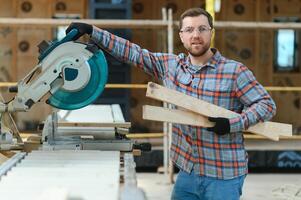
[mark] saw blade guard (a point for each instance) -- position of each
(66, 100)
(98, 75)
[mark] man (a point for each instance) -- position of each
(212, 161)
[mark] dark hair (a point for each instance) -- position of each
(194, 12)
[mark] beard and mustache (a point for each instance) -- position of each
(198, 51)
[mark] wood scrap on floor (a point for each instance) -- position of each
(3, 158)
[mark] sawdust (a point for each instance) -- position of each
(287, 192)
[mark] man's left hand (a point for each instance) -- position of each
(221, 127)
(82, 29)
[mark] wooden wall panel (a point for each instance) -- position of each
(6, 53)
(264, 64)
(142, 9)
(288, 103)
(28, 39)
(239, 10)
(33, 8)
(239, 45)
(69, 7)
(18, 47)
(150, 39)
(27, 50)
(5, 75)
(7, 8)
(286, 7)
(264, 10)
(6, 58)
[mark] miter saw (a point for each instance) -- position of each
(69, 74)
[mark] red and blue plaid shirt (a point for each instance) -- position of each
(220, 81)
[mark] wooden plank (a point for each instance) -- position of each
(3, 158)
(271, 130)
(144, 86)
(175, 116)
(161, 93)
(107, 23)
(145, 24)
(87, 124)
(190, 118)
(265, 128)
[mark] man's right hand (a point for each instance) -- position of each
(82, 29)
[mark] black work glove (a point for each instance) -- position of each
(221, 127)
(82, 29)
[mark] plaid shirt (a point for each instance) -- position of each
(220, 81)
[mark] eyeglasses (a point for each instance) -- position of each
(200, 29)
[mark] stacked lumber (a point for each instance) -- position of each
(195, 112)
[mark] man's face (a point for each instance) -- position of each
(196, 35)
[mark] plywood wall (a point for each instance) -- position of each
(18, 46)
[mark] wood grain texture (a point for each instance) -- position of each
(271, 130)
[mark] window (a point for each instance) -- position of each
(286, 51)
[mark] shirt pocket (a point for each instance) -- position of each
(209, 85)
(225, 85)
(184, 78)
(214, 85)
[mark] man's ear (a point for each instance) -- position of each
(181, 36)
(212, 36)
(212, 32)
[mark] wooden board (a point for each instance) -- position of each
(3, 158)
(207, 109)
(175, 116)
(87, 124)
(190, 118)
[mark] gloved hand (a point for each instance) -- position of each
(82, 29)
(221, 127)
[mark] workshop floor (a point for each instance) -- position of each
(256, 187)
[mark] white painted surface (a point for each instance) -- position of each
(92, 113)
(86, 174)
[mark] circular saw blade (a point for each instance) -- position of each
(74, 100)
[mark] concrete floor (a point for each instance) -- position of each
(256, 186)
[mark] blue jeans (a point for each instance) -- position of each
(196, 187)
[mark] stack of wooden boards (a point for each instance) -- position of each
(195, 112)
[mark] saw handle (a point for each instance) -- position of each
(70, 36)
(13, 89)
